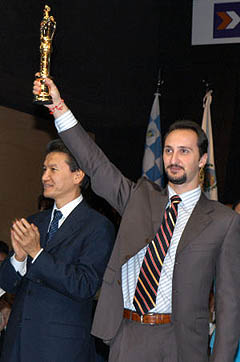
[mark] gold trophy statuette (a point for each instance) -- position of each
(47, 30)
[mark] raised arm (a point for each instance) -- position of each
(106, 180)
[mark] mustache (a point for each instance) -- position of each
(175, 165)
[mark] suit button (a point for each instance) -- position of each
(127, 257)
(147, 241)
(119, 282)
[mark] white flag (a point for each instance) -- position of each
(210, 180)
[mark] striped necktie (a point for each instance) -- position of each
(54, 224)
(149, 276)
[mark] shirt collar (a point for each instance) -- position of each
(189, 198)
(68, 208)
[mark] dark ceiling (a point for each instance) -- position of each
(106, 57)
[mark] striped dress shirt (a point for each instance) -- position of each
(131, 269)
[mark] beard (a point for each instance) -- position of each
(177, 180)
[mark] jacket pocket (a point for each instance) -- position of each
(204, 247)
(66, 330)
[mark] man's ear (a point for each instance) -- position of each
(78, 176)
(203, 160)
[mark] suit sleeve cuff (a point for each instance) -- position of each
(36, 256)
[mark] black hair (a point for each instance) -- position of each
(44, 203)
(57, 145)
(4, 247)
(185, 124)
(235, 204)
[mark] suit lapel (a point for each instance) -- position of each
(197, 222)
(142, 218)
(43, 224)
(74, 219)
(158, 202)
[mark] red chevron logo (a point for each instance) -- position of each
(226, 20)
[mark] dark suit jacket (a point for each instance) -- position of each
(209, 248)
(52, 313)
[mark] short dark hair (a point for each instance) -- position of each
(186, 124)
(4, 247)
(44, 203)
(57, 145)
(235, 204)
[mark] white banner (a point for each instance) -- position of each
(210, 181)
(215, 22)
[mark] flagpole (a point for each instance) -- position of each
(160, 82)
(207, 85)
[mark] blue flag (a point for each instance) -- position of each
(152, 159)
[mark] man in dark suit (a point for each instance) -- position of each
(56, 269)
(205, 245)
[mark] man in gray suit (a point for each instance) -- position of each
(205, 245)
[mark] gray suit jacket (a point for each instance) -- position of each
(208, 249)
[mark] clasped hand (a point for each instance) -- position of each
(25, 239)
